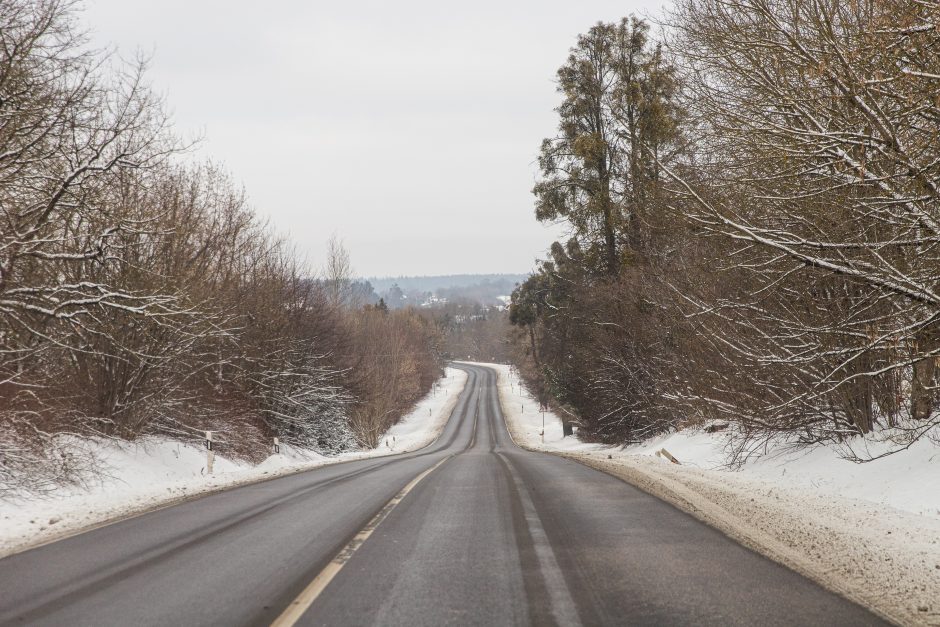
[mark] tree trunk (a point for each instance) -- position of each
(922, 383)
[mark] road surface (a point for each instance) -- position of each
(471, 530)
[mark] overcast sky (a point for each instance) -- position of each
(408, 128)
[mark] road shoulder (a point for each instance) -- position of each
(28, 523)
(884, 559)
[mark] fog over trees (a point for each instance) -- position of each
(752, 193)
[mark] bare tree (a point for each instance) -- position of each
(818, 168)
(338, 275)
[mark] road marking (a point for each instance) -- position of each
(473, 434)
(306, 598)
(561, 603)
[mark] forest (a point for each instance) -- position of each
(752, 192)
(141, 294)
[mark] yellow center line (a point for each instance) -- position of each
(306, 598)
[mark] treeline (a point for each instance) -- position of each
(472, 331)
(754, 204)
(141, 296)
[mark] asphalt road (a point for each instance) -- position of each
(493, 535)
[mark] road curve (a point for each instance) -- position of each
(490, 535)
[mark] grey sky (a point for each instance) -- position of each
(408, 128)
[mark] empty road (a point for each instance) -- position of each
(470, 530)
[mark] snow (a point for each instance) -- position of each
(427, 419)
(869, 531)
(897, 480)
(151, 473)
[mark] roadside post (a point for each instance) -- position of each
(664, 453)
(277, 446)
(210, 454)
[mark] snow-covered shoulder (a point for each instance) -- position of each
(900, 480)
(869, 531)
(154, 472)
(426, 421)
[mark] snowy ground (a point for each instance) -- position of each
(155, 473)
(869, 531)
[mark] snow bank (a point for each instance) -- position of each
(427, 419)
(908, 480)
(141, 476)
(868, 531)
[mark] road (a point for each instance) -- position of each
(470, 530)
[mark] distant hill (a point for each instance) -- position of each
(448, 281)
(485, 289)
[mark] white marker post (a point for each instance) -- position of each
(277, 446)
(210, 454)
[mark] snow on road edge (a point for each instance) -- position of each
(158, 473)
(880, 557)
